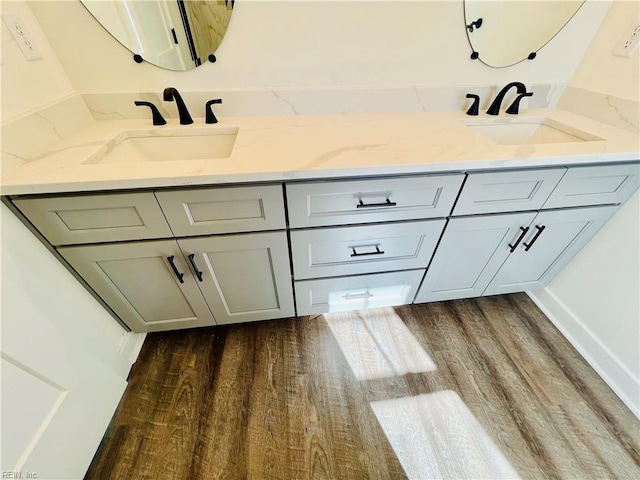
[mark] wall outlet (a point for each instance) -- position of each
(629, 42)
(21, 35)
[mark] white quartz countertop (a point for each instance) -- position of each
(286, 148)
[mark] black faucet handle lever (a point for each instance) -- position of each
(473, 109)
(208, 111)
(513, 108)
(158, 119)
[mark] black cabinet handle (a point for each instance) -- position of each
(524, 232)
(533, 240)
(386, 203)
(179, 275)
(195, 267)
(364, 254)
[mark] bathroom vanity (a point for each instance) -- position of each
(269, 217)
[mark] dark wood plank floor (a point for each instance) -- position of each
(284, 400)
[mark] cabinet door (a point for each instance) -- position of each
(92, 218)
(552, 241)
(471, 251)
(243, 277)
(512, 191)
(138, 282)
(329, 252)
(600, 185)
(345, 202)
(215, 210)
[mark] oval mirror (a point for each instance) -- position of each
(172, 34)
(503, 33)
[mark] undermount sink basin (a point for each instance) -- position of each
(524, 131)
(169, 145)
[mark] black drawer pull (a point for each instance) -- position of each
(195, 267)
(386, 203)
(364, 254)
(524, 232)
(533, 240)
(175, 269)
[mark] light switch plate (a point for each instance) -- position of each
(22, 37)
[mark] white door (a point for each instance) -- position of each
(471, 251)
(59, 389)
(243, 277)
(147, 284)
(552, 241)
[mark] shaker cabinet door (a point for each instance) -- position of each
(243, 277)
(139, 283)
(552, 241)
(471, 251)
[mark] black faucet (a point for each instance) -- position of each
(171, 94)
(494, 109)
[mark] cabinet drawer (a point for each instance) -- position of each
(356, 293)
(223, 209)
(331, 252)
(79, 219)
(493, 192)
(313, 204)
(599, 185)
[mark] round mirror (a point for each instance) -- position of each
(172, 34)
(503, 33)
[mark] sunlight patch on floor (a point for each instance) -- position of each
(377, 344)
(436, 436)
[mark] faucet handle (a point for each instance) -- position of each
(208, 111)
(473, 109)
(158, 119)
(513, 108)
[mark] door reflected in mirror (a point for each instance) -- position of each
(503, 33)
(171, 34)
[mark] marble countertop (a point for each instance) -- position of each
(286, 148)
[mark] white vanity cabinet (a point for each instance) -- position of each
(506, 253)
(139, 283)
(529, 235)
(204, 271)
(373, 241)
(242, 277)
(553, 239)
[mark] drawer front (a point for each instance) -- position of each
(314, 204)
(331, 252)
(223, 210)
(494, 192)
(96, 218)
(356, 293)
(608, 184)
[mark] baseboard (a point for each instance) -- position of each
(617, 375)
(130, 347)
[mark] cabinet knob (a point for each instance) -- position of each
(364, 254)
(386, 203)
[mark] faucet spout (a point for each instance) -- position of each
(171, 94)
(494, 108)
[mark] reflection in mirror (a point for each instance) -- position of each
(503, 33)
(172, 34)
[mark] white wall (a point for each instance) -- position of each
(316, 44)
(595, 300)
(48, 286)
(28, 85)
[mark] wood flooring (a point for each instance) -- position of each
(480, 388)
